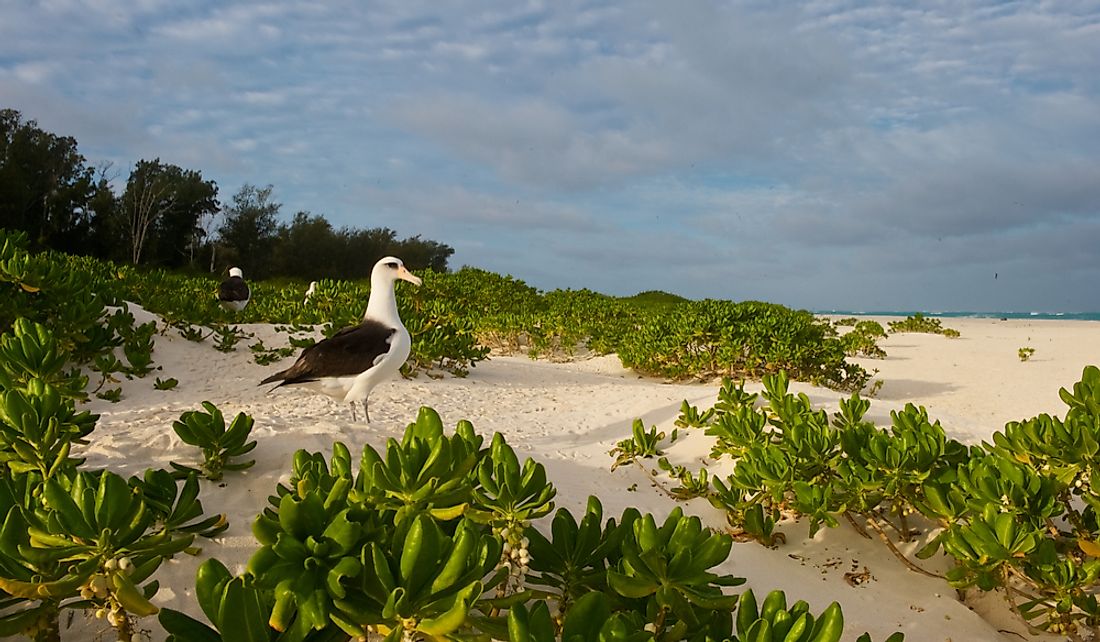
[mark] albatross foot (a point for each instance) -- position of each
(365, 412)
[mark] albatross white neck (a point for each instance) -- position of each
(382, 304)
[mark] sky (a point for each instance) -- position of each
(936, 156)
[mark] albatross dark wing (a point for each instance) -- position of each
(233, 289)
(348, 352)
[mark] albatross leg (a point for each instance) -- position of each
(365, 411)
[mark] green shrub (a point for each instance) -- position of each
(410, 547)
(750, 339)
(643, 443)
(920, 323)
(74, 539)
(206, 430)
(454, 320)
(1019, 515)
(863, 340)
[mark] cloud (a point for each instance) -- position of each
(714, 87)
(236, 28)
(455, 207)
(807, 154)
(531, 142)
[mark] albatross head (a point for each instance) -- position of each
(389, 269)
(236, 271)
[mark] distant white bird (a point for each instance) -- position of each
(233, 293)
(310, 291)
(350, 363)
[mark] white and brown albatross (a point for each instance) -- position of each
(233, 293)
(350, 363)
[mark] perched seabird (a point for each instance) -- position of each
(310, 291)
(347, 365)
(233, 292)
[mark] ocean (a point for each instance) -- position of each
(1064, 316)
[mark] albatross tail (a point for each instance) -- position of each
(278, 376)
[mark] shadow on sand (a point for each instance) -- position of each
(914, 390)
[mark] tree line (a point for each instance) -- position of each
(171, 217)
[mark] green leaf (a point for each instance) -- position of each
(128, 595)
(747, 612)
(243, 614)
(632, 587)
(586, 616)
(210, 582)
(829, 625)
(184, 628)
(453, 618)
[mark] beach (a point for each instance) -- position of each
(569, 415)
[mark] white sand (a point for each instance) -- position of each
(568, 416)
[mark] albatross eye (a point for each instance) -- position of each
(392, 265)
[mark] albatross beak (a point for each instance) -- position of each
(403, 273)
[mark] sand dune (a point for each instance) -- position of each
(568, 416)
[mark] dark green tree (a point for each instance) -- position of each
(46, 187)
(424, 253)
(180, 233)
(308, 248)
(250, 231)
(107, 234)
(161, 209)
(363, 247)
(166, 214)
